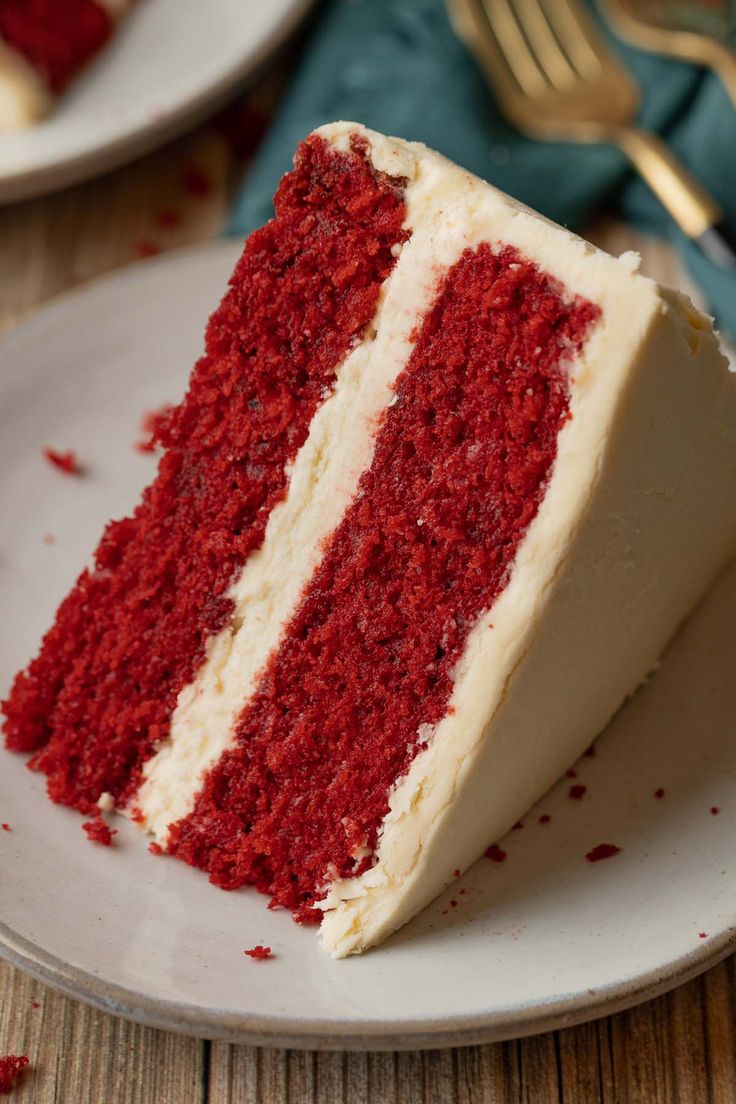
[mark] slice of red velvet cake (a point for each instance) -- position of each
(443, 485)
(43, 45)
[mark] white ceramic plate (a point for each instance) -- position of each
(170, 62)
(543, 939)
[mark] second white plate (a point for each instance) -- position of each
(538, 941)
(169, 63)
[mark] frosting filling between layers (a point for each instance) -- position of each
(134, 631)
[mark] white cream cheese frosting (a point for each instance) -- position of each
(24, 98)
(639, 513)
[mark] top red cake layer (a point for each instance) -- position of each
(459, 470)
(132, 633)
(56, 38)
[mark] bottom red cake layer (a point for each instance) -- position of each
(460, 467)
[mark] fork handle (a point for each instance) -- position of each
(693, 209)
(723, 61)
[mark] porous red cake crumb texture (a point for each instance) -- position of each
(57, 39)
(11, 1068)
(365, 667)
(99, 697)
(259, 952)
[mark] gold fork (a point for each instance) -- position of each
(556, 78)
(661, 27)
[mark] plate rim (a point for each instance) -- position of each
(513, 1022)
(56, 176)
(509, 1022)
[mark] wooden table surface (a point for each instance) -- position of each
(679, 1048)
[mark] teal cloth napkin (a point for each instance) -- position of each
(396, 66)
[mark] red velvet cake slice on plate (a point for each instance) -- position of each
(443, 485)
(43, 45)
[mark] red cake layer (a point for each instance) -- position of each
(459, 470)
(132, 633)
(56, 36)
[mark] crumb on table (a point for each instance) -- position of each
(11, 1067)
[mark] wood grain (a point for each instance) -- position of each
(676, 1050)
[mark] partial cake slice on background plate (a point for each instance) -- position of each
(43, 46)
(444, 484)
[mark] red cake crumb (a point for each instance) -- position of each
(146, 248)
(545, 818)
(602, 851)
(714, 810)
(136, 815)
(196, 182)
(702, 935)
(366, 662)
(577, 792)
(571, 773)
(11, 1068)
(456, 873)
(496, 853)
(139, 621)
(659, 793)
(155, 848)
(66, 462)
(453, 903)
(99, 832)
(49, 538)
(259, 952)
(6, 828)
(167, 218)
(35, 1004)
(57, 39)
(154, 424)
